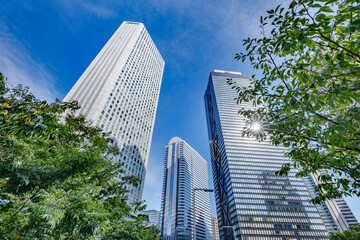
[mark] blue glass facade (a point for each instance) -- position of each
(252, 202)
(184, 170)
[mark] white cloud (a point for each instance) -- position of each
(17, 64)
(98, 10)
(223, 23)
(79, 8)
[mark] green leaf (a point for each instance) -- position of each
(320, 17)
(340, 56)
(326, 9)
(340, 128)
(316, 5)
(342, 28)
(292, 4)
(355, 24)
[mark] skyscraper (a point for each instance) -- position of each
(185, 174)
(252, 202)
(215, 228)
(335, 213)
(119, 92)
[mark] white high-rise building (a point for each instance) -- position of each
(119, 92)
(215, 228)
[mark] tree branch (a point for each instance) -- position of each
(329, 39)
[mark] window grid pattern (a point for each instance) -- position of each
(119, 92)
(266, 206)
(184, 170)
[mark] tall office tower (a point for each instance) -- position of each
(119, 92)
(185, 173)
(336, 214)
(215, 228)
(252, 202)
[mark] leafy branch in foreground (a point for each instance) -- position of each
(57, 177)
(353, 233)
(308, 96)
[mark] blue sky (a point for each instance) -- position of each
(48, 44)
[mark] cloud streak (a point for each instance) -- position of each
(17, 64)
(98, 10)
(226, 22)
(79, 8)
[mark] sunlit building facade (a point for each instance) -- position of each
(119, 92)
(252, 202)
(184, 171)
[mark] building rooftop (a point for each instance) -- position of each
(229, 72)
(175, 139)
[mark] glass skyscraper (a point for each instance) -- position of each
(252, 202)
(119, 92)
(184, 172)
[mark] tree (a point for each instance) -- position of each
(308, 96)
(57, 177)
(353, 233)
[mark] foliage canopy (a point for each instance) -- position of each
(57, 177)
(308, 96)
(353, 233)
